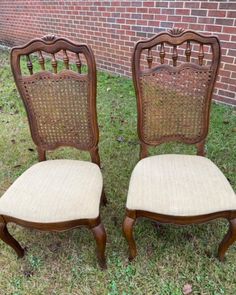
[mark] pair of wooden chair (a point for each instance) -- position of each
(173, 105)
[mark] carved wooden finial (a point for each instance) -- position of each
(48, 38)
(176, 31)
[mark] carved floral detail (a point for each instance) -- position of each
(176, 31)
(49, 38)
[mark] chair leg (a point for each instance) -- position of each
(104, 198)
(100, 237)
(8, 239)
(128, 233)
(228, 239)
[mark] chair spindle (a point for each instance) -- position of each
(175, 55)
(54, 63)
(201, 55)
(29, 64)
(41, 60)
(78, 63)
(149, 58)
(162, 53)
(66, 59)
(188, 51)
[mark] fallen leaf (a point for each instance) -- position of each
(187, 289)
(54, 247)
(120, 139)
(17, 166)
(28, 273)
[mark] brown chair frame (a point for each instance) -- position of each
(174, 38)
(51, 45)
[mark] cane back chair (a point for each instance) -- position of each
(173, 104)
(57, 195)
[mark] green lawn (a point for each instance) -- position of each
(168, 256)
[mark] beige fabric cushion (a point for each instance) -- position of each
(179, 185)
(55, 191)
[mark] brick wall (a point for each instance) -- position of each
(113, 27)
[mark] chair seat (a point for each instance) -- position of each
(179, 185)
(55, 191)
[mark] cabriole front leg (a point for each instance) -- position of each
(100, 237)
(8, 239)
(228, 240)
(128, 233)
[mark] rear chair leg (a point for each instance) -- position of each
(228, 239)
(104, 198)
(100, 237)
(128, 233)
(8, 239)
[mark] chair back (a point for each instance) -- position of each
(174, 89)
(60, 101)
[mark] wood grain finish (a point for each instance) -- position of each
(50, 139)
(166, 130)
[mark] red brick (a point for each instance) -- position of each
(196, 27)
(231, 14)
(179, 4)
(167, 11)
(182, 11)
(233, 76)
(199, 12)
(213, 28)
(206, 20)
(226, 93)
(229, 30)
(148, 3)
(217, 13)
(161, 3)
(174, 18)
(224, 21)
(230, 67)
(189, 19)
(225, 100)
(209, 5)
(154, 10)
(230, 6)
(232, 88)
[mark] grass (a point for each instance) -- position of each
(64, 263)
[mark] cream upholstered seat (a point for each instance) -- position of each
(55, 191)
(179, 185)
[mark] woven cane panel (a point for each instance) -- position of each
(174, 104)
(59, 105)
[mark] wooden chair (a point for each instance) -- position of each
(57, 195)
(173, 104)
